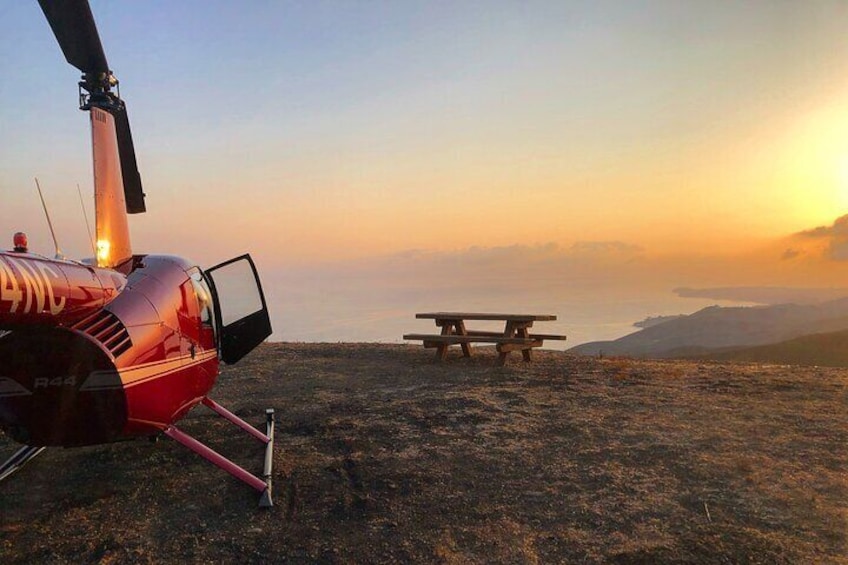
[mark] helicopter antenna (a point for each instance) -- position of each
(59, 254)
(87, 225)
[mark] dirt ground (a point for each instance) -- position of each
(383, 455)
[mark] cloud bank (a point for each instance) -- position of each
(833, 240)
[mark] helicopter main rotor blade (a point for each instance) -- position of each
(73, 25)
(75, 30)
(133, 193)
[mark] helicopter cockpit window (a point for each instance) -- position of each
(204, 298)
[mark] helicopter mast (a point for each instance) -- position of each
(117, 183)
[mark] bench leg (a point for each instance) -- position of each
(509, 331)
(460, 330)
(442, 348)
(525, 353)
(451, 327)
(525, 333)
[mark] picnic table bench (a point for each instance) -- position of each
(515, 336)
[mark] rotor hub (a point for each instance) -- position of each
(95, 90)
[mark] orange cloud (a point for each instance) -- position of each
(832, 239)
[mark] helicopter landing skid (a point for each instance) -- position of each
(262, 485)
(21, 457)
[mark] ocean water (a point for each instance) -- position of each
(374, 309)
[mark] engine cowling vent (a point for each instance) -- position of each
(106, 328)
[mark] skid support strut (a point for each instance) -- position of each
(18, 460)
(262, 485)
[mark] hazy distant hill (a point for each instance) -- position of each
(765, 294)
(651, 321)
(721, 328)
(825, 349)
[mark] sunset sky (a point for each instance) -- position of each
(321, 132)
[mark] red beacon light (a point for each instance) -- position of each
(20, 242)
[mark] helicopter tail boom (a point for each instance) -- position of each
(111, 227)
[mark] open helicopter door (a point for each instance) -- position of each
(240, 309)
(242, 323)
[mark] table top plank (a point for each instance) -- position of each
(485, 316)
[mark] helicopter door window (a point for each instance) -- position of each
(238, 292)
(240, 310)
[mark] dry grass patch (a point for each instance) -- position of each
(386, 456)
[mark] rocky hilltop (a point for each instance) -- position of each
(719, 328)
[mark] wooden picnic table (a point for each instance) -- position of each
(515, 336)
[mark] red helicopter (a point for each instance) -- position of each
(124, 345)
